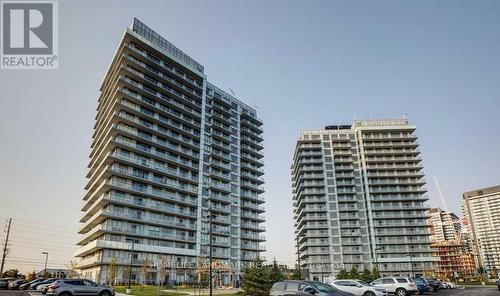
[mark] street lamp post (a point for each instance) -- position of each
(129, 290)
(46, 259)
(411, 264)
(376, 257)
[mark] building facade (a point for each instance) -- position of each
(453, 261)
(358, 199)
(450, 246)
(444, 225)
(174, 161)
(482, 211)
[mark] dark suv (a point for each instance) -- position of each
(305, 288)
(434, 284)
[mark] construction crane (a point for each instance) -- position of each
(440, 193)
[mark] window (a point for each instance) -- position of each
(279, 286)
(292, 286)
(401, 280)
(377, 282)
(74, 283)
(387, 281)
(342, 283)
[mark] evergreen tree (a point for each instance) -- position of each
(366, 275)
(375, 274)
(354, 274)
(275, 274)
(255, 279)
(342, 274)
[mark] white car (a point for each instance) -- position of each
(450, 285)
(358, 288)
(401, 286)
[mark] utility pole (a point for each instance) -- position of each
(411, 264)
(5, 247)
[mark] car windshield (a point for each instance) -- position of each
(325, 288)
(363, 283)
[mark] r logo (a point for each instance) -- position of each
(27, 28)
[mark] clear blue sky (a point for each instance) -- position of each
(305, 64)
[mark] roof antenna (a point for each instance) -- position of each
(232, 92)
(405, 115)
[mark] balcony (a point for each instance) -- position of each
(154, 166)
(253, 216)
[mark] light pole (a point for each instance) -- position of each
(45, 266)
(376, 257)
(411, 264)
(129, 290)
(210, 217)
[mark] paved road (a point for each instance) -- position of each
(475, 291)
(14, 293)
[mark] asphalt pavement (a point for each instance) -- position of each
(471, 291)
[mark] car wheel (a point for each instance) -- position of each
(369, 293)
(105, 293)
(65, 294)
(401, 292)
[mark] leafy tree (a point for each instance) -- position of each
(255, 279)
(11, 273)
(73, 266)
(127, 272)
(367, 275)
(162, 269)
(112, 270)
(145, 268)
(375, 274)
(31, 276)
(354, 274)
(342, 274)
(275, 274)
(295, 275)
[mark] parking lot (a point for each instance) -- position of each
(474, 291)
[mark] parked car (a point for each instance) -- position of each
(422, 284)
(14, 285)
(359, 288)
(34, 286)
(44, 284)
(450, 285)
(4, 284)
(76, 287)
(498, 284)
(441, 284)
(434, 284)
(305, 288)
(27, 285)
(401, 286)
